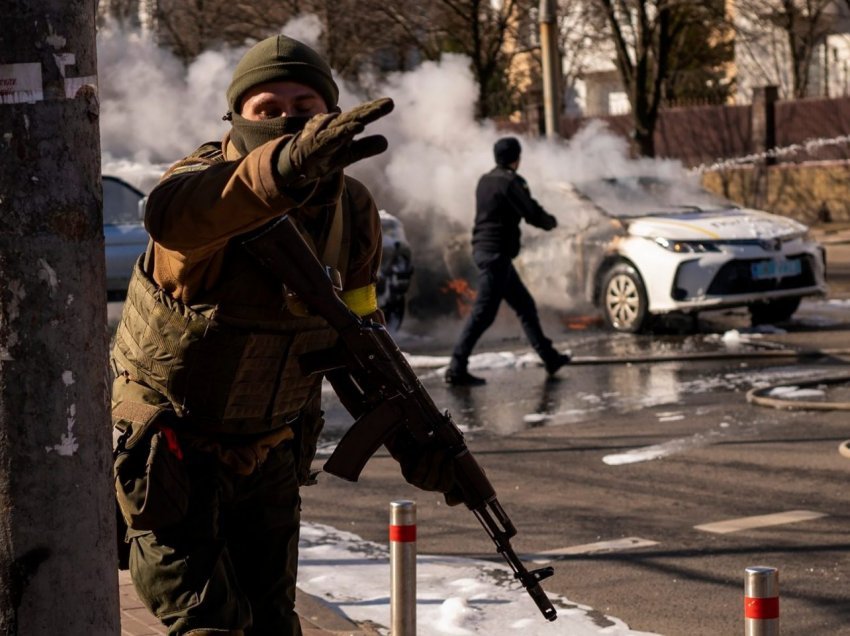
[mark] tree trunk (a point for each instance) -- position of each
(58, 568)
(644, 136)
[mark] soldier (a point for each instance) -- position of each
(502, 200)
(217, 423)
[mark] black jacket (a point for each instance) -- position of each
(502, 200)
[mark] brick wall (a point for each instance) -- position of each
(807, 185)
(809, 192)
(705, 134)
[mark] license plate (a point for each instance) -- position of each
(776, 269)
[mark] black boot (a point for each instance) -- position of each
(463, 378)
(556, 362)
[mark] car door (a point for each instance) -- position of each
(124, 234)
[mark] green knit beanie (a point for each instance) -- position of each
(280, 58)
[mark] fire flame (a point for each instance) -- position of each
(580, 323)
(464, 295)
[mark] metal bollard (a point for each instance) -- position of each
(761, 601)
(403, 568)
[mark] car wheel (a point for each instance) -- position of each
(623, 299)
(773, 311)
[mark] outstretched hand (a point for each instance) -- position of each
(327, 142)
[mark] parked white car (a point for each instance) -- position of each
(658, 247)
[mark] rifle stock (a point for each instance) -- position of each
(379, 388)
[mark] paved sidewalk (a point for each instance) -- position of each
(318, 618)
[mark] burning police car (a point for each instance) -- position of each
(650, 247)
(396, 270)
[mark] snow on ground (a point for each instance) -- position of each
(455, 596)
(477, 362)
(657, 451)
(734, 338)
(795, 392)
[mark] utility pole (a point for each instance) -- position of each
(58, 566)
(551, 67)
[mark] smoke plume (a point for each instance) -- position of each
(155, 111)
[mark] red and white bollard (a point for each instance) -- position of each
(761, 601)
(403, 568)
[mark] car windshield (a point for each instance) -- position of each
(642, 196)
(120, 202)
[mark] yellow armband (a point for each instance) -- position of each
(362, 301)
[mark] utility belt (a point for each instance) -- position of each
(242, 454)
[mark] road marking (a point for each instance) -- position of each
(675, 417)
(615, 545)
(759, 521)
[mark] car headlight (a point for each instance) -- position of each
(687, 247)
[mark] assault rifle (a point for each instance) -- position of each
(377, 386)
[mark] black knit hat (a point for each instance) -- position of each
(506, 151)
(280, 58)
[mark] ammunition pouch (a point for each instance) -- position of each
(151, 479)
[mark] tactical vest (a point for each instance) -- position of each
(229, 367)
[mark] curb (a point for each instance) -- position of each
(318, 617)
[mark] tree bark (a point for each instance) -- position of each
(58, 567)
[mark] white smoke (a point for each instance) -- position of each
(437, 149)
(155, 111)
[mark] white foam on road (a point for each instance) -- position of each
(759, 521)
(455, 596)
(477, 362)
(657, 451)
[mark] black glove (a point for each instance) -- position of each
(427, 468)
(431, 470)
(454, 496)
(327, 144)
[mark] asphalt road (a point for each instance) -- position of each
(545, 445)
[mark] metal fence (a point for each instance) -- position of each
(704, 134)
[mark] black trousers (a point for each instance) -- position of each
(497, 281)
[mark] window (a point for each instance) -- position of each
(120, 202)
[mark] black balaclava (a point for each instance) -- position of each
(248, 134)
